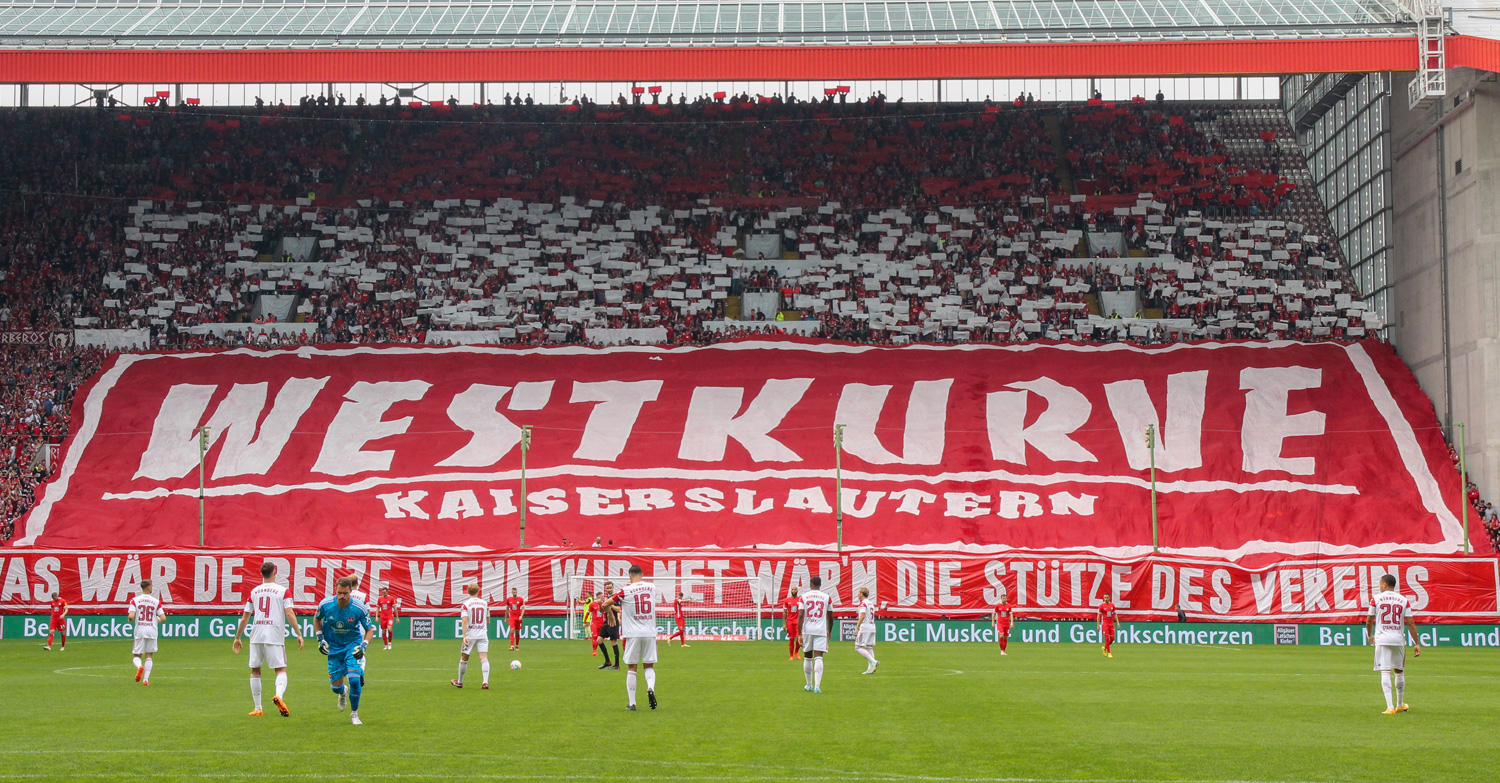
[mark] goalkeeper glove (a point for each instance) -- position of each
(359, 652)
(322, 645)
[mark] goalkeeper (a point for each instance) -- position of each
(344, 630)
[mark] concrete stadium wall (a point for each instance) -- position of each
(1465, 383)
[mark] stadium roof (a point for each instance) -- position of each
(386, 24)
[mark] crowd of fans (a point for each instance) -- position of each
(638, 221)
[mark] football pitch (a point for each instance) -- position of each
(737, 711)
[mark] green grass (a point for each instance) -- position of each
(736, 711)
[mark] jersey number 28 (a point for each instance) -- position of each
(1390, 614)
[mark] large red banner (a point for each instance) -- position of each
(1042, 585)
(1261, 449)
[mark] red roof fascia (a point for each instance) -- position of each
(1020, 60)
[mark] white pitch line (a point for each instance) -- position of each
(779, 771)
(616, 776)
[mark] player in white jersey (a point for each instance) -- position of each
(637, 604)
(145, 612)
(814, 613)
(364, 600)
(1389, 620)
(474, 617)
(271, 609)
(864, 635)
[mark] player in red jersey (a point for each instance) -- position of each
(681, 619)
(390, 609)
(790, 608)
(1107, 621)
(1001, 620)
(58, 624)
(515, 610)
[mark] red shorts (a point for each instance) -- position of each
(1109, 632)
(1004, 629)
(56, 623)
(791, 631)
(385, 622)
(515, 625)
(681, 622)
(595, 628)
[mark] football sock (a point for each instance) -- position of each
(807, 671)
(463, 666)
(356, 685)
(1385, 685)
(280, 684)
(617, 653)
(1002, 644)
(867, 654)
(148, 669)
(255, 689)
(791, 646)
(818, 672)
(1400, 688)
(630, 687)
(136, 661)
(484, 668)
(339, 689)
(49, 640)
(595, 644)
(62, 636)
(604, 648)
(651, 679)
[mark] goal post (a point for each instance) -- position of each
(716, 608)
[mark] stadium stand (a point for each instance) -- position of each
(674, 224)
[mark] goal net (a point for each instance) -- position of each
(722, 608)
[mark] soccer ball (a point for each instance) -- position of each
(515, 664)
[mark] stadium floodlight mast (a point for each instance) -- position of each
(1151, 448)
(525, 447)
(838, 480)
(202, 454)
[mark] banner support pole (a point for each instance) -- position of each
(525, 447)
(1463, 488)
(838, 480)
(202, 455)
(1151, 448)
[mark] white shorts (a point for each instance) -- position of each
(272, 655)
(814, 644)
(1389, 657)
(143, 646)
(640, 649)
(472, 646)
(864, 639)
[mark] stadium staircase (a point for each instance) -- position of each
(1060, 146)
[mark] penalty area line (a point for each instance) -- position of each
(778, 774)
(714, 777)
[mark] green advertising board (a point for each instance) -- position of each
(1024, 632)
